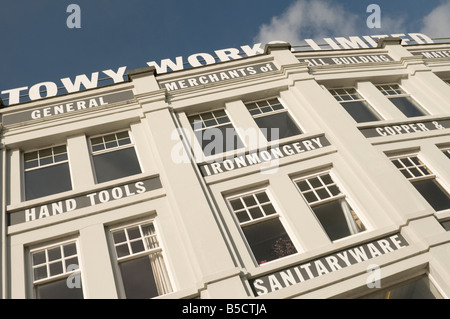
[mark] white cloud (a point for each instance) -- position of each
(309, 19)
(437, 22)
(318, 19)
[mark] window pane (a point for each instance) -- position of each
(336, 219)
(266, 109)
(326, 179)
(315, 182)
(58, 290)
(236, 204)
(256, 212)
(31, 164)
(70, 250)
(122, 135)
(303, 185)
(119, 236)
(310, 197)
(137, 246)
(397, 163)
(435, 195)
(277, 126)
(30, 156)
(360, 111)
(54, 253)
(138, 279)
(334, 190)
(406, 173)
(61, 157)
(45, 153)
(207, 116)
(268, 240)
(60, 149)
(262, 197)
(39, 258)
(269, 209)
(122, 250)
(323, 194)
(56, 268)
(134, 233)
(274, 102)
(40, 272)
(249, 201)
(48, 180)
(210, 122)
(242, 216)
(116, 164)
(45, 160)
(220, 113)
(407, 106)
(71, 262)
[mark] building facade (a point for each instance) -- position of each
(316, 174)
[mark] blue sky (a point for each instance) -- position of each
(37, 45)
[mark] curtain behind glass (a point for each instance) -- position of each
(157, 261)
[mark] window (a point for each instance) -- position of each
(418, 288)
(273, 119)
(423, 180)
(261, 225)
(56, 272)
(446, 225)
(355, 105)
(446, 152)
(114, 157)
(330, 206)
(215, 132)
(402, 100)
(141, 262)
(46, 172)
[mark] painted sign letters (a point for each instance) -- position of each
(83, 201)
(328, 264)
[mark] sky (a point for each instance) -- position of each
(38, 46)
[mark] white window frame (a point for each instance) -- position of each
(338, 97)
(113, 149)
(343, 195)
(431, 175)
(403, 93)
(147, 252)
(204, 128)
(64, 274)
(24, 170)
(284, 109)
(278, 214)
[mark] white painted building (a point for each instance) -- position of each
(332, 181)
